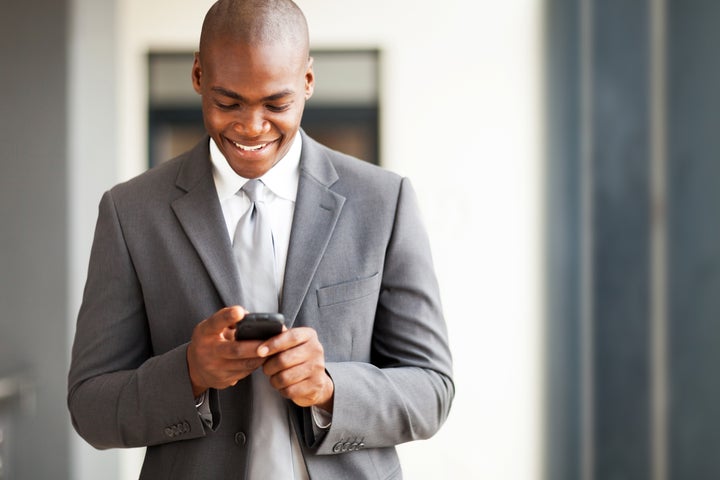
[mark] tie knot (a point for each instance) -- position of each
(254, 190)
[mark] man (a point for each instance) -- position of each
(363, 364)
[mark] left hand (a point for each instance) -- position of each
(296, 367)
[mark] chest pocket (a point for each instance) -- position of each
(348, 291)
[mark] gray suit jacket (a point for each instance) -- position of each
(358, 271)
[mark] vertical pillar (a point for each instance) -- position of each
(34, 238)
(694, 238)
(634, 271)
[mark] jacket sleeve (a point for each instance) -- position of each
(406, 391)
(119, 393)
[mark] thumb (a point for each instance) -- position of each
(222, 319)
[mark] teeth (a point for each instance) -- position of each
(249, 149)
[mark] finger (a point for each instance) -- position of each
(291, 375)
(222, 373)
(222, 319)
(228, 333)
(286, 340)
(314, 389)
(240, 349)
(241, 367)
(307, 353)
(296, 365)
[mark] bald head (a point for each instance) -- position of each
(256, 22)
(254, 74)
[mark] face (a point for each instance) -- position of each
(252, 100)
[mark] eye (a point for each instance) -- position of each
(278, 108)
(226, 106)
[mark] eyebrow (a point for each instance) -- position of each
(236, 96)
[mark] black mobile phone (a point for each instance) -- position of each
(259, 326)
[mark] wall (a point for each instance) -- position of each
(92, 139)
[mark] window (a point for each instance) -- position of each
(342, 114)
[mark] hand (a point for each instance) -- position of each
(215, 359)
(296, 367)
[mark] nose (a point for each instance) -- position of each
(250, 123)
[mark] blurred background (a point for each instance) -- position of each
(565, 154)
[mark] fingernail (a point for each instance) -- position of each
(262, 351)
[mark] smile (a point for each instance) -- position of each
(245, 148)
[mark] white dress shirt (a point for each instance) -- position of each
(281, 185)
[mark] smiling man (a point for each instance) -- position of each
(260, 217)
(254, 73)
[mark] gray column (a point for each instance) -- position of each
(33, 219)
(57, 153)
(694, 238)
(633, 240)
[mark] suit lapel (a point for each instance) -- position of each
(200, 215)
(316, 212)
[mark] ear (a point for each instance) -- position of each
(197, 74)
(309, 79)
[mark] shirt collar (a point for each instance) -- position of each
(281, 179)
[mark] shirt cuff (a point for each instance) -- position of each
(322, 419)
(203, 409)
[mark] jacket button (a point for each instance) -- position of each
(240, 439)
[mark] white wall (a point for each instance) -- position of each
(461, 116)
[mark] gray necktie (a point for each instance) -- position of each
(273, 447)
(255, 253)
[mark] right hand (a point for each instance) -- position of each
(215, 359)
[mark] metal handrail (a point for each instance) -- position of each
(18, 387)
(9, 388)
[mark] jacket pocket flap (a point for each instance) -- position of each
(347, 291)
